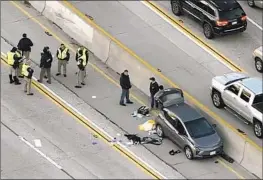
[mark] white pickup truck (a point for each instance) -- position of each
(242, 94)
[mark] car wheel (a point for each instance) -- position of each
(251, 3)
(188, 153)
(217, 99)
(159, 131)
(259, 65)
(258, 129)
(176, 8)
(208, 31)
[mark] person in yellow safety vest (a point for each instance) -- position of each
(82, 61)
(13, 61)
(27, 72)
(63, 58)
(19, 54)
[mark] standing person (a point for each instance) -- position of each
(154, 88)
(45, 65)
(63, 58)
(27, 72)
(25, 45)
(125, 84)
(82, 57)
(13, 61)
(157, 95)
(19, 70)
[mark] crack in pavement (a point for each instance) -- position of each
(20, 20)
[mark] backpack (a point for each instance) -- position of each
(143, 110)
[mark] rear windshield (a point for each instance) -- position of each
(231, 14)
(258, 99)
(199, 128)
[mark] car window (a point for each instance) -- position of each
(180, 128)
(210, 11)
(171, 119)
(234, 89)
(231, 14)
(245, 95)
(201, 5)
(199, 128)
(258, 99)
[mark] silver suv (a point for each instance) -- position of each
(185, 126)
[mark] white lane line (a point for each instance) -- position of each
(96, 126)
(40, 152)
(256, 24)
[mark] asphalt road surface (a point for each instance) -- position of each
(164, 47)
(102, 93)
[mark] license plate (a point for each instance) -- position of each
(212, 153)
(233, 23)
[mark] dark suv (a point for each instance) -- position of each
(217, 16)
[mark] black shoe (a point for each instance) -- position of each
(57, 74)
(30, 94)
(65, 75)
(77, 86)
(39, 81)
(45, 77)
(122, 104)
(129, 102)
(83, 84)
(11, 79)
(48, 82)
(16, 81)
(21, 76)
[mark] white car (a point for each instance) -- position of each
(257, 56)
(253, 3)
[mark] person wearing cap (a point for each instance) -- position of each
(25, 45)
(45, 65)
(27, 72)
(154, 88)
(13, 61)
(63, 58)
(82, 57)
(125, 84)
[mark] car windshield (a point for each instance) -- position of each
(199, 128)
(231, 14)
(258, 99)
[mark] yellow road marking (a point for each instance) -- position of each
(99, 70)
(150, 67)
(230, 169)
(194, 36)
(85, 122)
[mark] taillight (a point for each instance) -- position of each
(243, 18)
(221, 23)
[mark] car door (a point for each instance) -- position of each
(182, 135)
(244, 100)
(188, 6)
(170, 125)
(230, 96)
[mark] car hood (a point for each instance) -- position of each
(208, 141)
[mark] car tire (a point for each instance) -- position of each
(176, 8)
(217, 99)
(259, 64)
(208, 31)
(159, 131)
(257, 127)
(251, 3)
(188, 153)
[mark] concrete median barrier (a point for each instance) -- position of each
(120, 59)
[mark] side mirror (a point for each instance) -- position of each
(214, 125)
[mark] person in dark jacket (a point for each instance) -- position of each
(25, 45)
(125, 84)
(154, 88)
(45, 65)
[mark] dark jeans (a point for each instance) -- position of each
(153, 102)
(125, 94)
